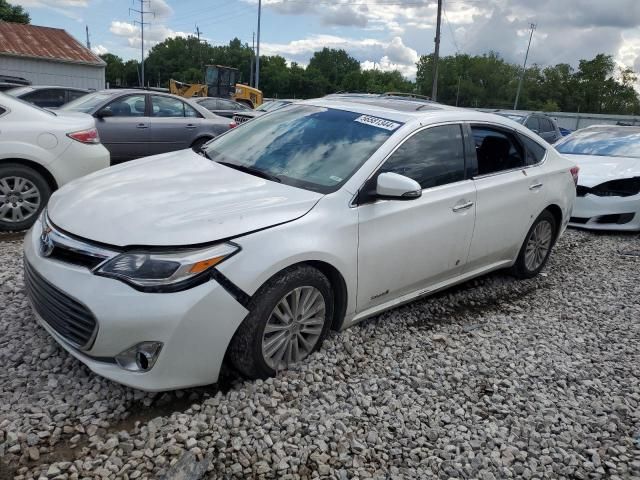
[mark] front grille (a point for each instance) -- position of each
(582, 191)
(68, 317)
(240, 119)
(75, 257)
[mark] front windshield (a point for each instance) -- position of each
(86, 103)
(604, 141)
(305, 146)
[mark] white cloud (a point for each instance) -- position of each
(68, 8)
(372, 53)
(153, 34)
(100, 49)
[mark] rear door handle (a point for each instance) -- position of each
(142, 125)
(462, 206)
(535, 186)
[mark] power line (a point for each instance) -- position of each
(142, 23)
(453, 34)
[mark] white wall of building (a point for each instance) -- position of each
(46, 72)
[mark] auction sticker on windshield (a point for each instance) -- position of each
(377, 122)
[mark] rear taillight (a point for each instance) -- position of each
(574, 173)
(233, 125)
(85, 136)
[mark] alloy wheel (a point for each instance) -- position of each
(294, 327)
(538, 245)
(19, 199)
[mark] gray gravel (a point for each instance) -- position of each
(495, 379)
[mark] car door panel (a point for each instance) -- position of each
(126, 133)
(407, 245)
(170, 129)
(507, 203)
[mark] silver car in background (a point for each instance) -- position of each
(138, 123)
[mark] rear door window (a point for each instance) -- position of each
(497, 150)
(533, 124)
(167, 106)
(546, 125)
(2, 111)
(431, 157)
(533, 150)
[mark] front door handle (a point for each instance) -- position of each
(191, 126)
(462, 206)
(142, 125)
(535, 186)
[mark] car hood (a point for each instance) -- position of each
(175, 199)
(597, 169)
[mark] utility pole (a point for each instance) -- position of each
(258, 47)
(88, 41)
(458, 91)
(524, 67)
(253, 52)
(436, 55)
(142, 12)
(199, 46)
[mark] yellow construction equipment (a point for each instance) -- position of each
(188, 90)
(220, 81)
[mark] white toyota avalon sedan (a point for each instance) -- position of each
(307, 219)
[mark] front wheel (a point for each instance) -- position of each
(23, 195)
(288, 320)
(537, 246)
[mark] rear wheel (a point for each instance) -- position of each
(288, 320)
(537, 246)
(23, 195)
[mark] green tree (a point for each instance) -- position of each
(334, 65)
(114, 72)
(11, 13)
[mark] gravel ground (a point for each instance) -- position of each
(495, 379)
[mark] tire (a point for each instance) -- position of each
(246, 351)
(531, 260)
(20, 208)
(196, 146)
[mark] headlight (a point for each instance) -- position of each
(166, 271)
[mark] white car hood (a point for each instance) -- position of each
(597, 169)
(178, 198)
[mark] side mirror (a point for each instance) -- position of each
(104, 113)
(398, 187)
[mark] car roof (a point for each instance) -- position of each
(410, 111)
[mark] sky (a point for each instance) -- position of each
(383, 34)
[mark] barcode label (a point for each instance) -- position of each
(377, 122)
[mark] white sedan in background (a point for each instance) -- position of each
(39, 152)
(608, 192)
(310, 218)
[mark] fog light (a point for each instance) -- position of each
(140, 357)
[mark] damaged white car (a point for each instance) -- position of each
(608, 191)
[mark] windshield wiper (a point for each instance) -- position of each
(250, 170)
